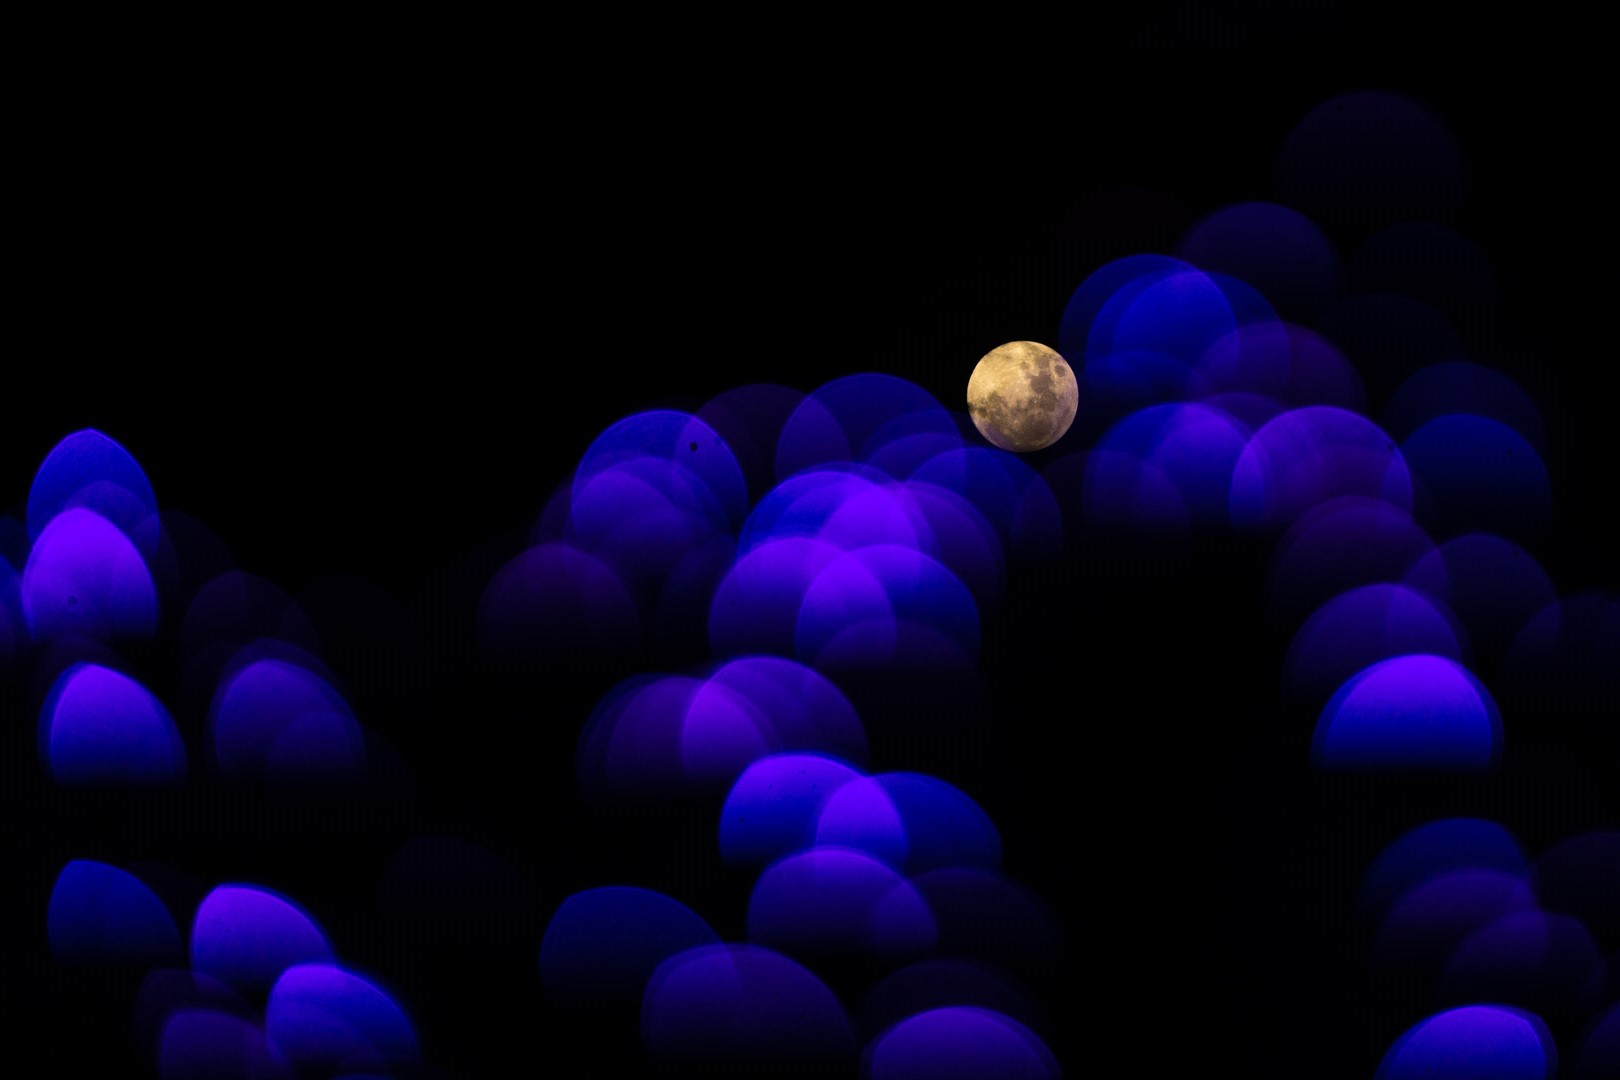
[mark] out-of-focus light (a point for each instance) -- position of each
(958, 1042)
(1008, 491)
(806, 709)
(845, 507)
(1419, 712)
(1166, 466)
(643, 518)
(165, 992)
(1492, 584)
(88, 470)
(1439, 847)
(1277, 249)
(1463, 387)
(99, 727)
(1088, 299)
(84, 577)
(1362, 627)
(756, 605)
(234, 611)
(602, 944)
(1543, 961)
(886, 606)
(911, 821)
(670, 734)
(246, 936)
(1177, 314)
(101, 915)
(741, 1006)
(1337, 546)
(1474, 1042)
(1475, 474)
(206, 1044)
(938, 982)
(679, 441)
(1280, 365)
(839, 904)
(1307, 456)
(986, 916)
(750, 419)
(773, 809)
(1422, 929)
(854, 418)
(276, 721)
(558, 605)
(329, 1018)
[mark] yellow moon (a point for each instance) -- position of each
(1022, 396)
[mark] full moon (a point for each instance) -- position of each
(1022, 396)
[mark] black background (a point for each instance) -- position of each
(359, 306)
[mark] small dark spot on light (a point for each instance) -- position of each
(692, 447)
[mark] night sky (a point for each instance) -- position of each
(363, 334)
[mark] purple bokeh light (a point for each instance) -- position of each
(1417, 712)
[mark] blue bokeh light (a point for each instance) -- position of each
(773, 809)
(207, 1044)
(959, 1042)
(1418, 712)
(246, 936)
(1475, 474)
(276, 721)
(1339, 545)
(1357, 629)
(99, 727)
(1306, 456)
(1275, 248)
(1427, 851)
(86, 578)
(911, 821)
(1473, 1042)
(833, 903)
(744, 1006)
(602, 944)
(326, 1017)
(101, 915)
(91, 471)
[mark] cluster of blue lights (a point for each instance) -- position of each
(251, 986)
(886, 535)
(763, 562)
(256, 991)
